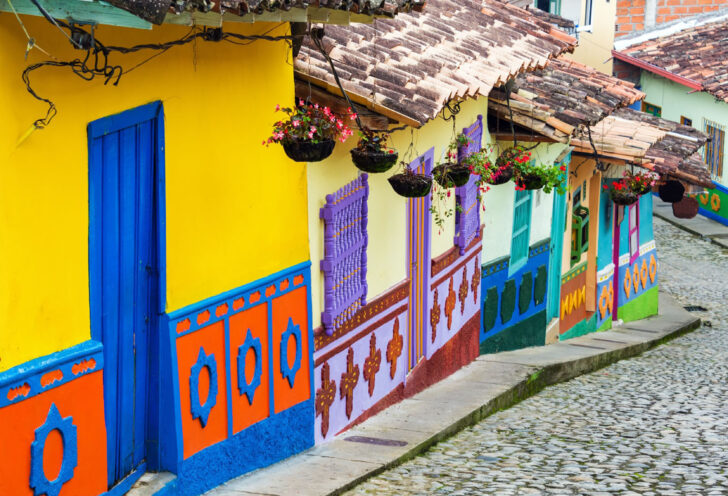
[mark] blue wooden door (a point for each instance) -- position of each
(419, 263)
(124, 153)
(558, 225)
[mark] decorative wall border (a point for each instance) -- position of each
(42, 374)
(375, 307)
(644, 249)
(605, 274)
(443, 261)
(502, 263)
(461, 262)
(573, 272)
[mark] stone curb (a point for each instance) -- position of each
(489, 384)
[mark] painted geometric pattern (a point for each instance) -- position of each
(38, 480)
(345, 253)
(225, 343)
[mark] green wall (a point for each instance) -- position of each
(676, 101)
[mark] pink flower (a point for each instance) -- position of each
(301, 102)
(448, 193)
(296, 123)
(278, 107)
(315, 106)
(353, 117)
(313, 129)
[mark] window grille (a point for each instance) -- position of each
(634, 232)
(345, 253)
(714, 148)
(521, 230)
(467, 215)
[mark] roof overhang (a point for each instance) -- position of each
(657, 70)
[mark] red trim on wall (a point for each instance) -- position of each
(462, 349)
(657, 70)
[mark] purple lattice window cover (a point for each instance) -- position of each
(467, 217)
(345, 253)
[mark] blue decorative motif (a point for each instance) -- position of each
(203, 411)
(246, 388)
(38, 480)
(289, 372)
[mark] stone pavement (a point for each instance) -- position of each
(699, 226)
(582, 432)
(653, 425)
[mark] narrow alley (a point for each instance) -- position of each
(653, 425)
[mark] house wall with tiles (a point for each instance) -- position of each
(52, 373)
(676, 102)
(513, 312)
(377, 354)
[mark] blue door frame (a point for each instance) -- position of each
(126, 279)
(558, 225)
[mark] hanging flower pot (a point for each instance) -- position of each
(640, 182)
(308, 151)
(530, 181)
(499, 175)
(672, 191)
(410, 184)
(372, 153)
(687, 208)
(621, 194)
(623, 197)
(373, 161)
(451, 175)
(309, 132)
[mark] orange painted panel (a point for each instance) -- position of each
(245, 414)
(212, 339)
(82, 399)
(292, 306)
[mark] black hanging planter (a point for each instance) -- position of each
(530, 181)
(687, 208)
(373, 161)
(411, 185)
(308, 151)
(451, 175)
(672, 191)
(642, 189)
(500, 176)
(623, 197)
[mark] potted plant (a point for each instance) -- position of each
(503, 169)
(671, 191)
(530, 176)
(452, 173)
(372, 153)
(640, 182)
(309, 132)
(621, 193)
(410, 184)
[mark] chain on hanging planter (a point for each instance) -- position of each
(372, 153)
(309, 132)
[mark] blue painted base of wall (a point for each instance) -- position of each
(713, 216)
(259, 445)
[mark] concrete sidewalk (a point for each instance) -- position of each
(490, 383)
(700, 226)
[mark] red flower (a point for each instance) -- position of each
(562, 168)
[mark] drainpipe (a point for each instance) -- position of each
(650, 13)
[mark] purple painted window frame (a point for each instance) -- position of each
(467, 222)
(344, 265)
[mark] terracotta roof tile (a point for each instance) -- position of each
(698, 54)
(410, 66)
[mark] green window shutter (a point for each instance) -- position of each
(521, 230)
(579, 233)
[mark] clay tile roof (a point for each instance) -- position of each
(696, 57)
(555, 100)
(409, 67)
(651, 142)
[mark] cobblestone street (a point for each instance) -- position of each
(653, 425)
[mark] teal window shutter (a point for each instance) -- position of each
(521, 230)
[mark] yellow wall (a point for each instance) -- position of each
(387, 223)
(235, 210)
(595, 47)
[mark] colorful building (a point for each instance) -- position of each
(419, 316)
(591, 239)
(680, 67)
(156, 273)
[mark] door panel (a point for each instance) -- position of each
(124, 152)
(419, 221)
(558, 226)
